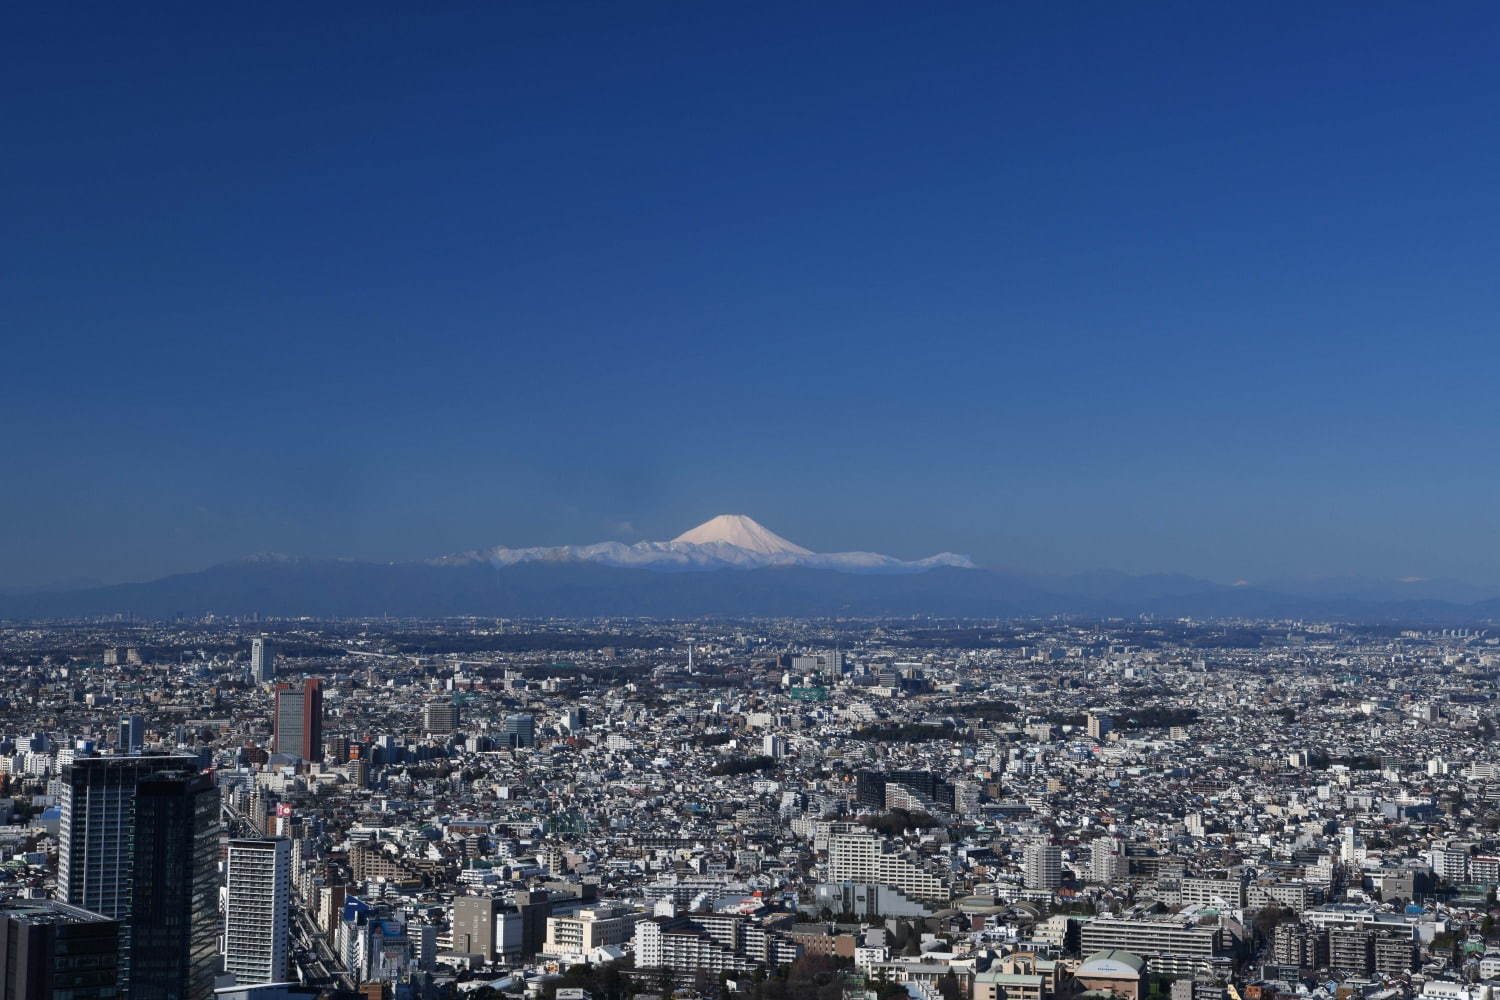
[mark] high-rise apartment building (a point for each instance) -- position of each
(440, 717)
(53, 951)
(1351, 950)
(1395, 954)
(1300, 946)
(1107, 862)
(1043, 866)
(299, 720)
(257, 910)
(262, 660)
(865, 856)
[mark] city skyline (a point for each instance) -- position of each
(849, 501)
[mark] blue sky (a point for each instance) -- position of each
(1199, 287)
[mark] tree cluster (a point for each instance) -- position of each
(898, 821)
(743, 765)
(911, 732)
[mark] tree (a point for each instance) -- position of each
(949, 988)
(1269, 917)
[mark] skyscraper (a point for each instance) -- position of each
(173, 922)
(299, 720)
(153, 814)
(262, 660)
(132, 734)
(257, 910)
(518, 731)
(97, 828)
(53, 951)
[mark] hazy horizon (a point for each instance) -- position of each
(1176, 289)
(626, 534)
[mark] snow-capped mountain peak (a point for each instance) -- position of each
(742, 532)
(729, 541)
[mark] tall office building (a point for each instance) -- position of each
(173, 922)
(440, 717)
(1043, 866)
(132, 734)
(97, 826)
(53, 951)
(262, 660)
(257, 910)
(157, 815)
(518, 731)
(299, 719)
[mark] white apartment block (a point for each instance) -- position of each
(257, 910)
(866, 857)
(578, 935)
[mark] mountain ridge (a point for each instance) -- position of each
(341, 588)
(726, 541)
(729, 566)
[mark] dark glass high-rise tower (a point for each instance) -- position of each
(139, 844)
(53, 951)
(174, 909)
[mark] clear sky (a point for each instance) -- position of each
(1198, 287)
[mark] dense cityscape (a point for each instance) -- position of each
(1045, 810)
(772, 501)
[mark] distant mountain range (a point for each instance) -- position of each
(731, 566)
(729, 541)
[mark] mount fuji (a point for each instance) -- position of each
(728, 566)
(728, 541)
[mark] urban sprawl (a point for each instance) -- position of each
(596, 810)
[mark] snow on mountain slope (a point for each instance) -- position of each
(729, 541)
(741, 532)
